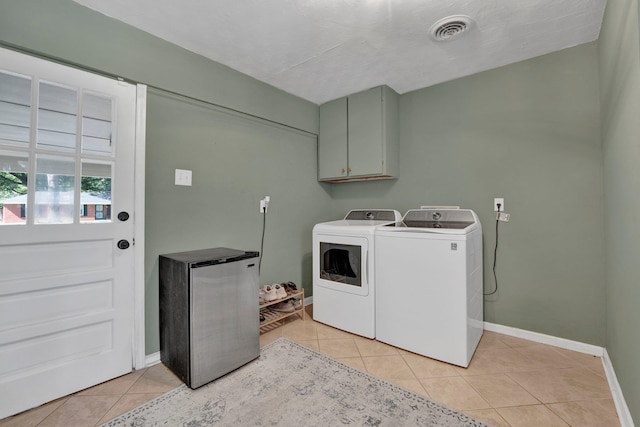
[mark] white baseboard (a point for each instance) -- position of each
(308, 300)
(616, 392)
(581, 347)
(152, 359)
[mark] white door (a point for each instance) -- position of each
(66, 173)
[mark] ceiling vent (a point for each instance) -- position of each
(450, 28)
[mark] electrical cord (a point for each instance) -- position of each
(264, 223)
(495, 254)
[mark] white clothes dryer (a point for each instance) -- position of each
(429, 284)
(343, 270)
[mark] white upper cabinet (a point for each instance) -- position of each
(332, 140)
(359, 137)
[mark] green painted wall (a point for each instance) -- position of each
(235, 162)
(620, 93)
(528, 132)
(64, 30)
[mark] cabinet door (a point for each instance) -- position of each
(365, 152)
(332, 143)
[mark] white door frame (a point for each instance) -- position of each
(139, 351)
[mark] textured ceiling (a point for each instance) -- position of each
(320, 50)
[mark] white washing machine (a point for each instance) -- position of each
(343, 270)
(429, 284)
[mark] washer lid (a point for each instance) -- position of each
(444, 220)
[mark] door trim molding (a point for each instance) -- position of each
(139, 241)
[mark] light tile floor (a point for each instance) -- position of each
(510, 382)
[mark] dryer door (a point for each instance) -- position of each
(341, 263)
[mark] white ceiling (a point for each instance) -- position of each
(320, 50)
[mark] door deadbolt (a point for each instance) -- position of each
(123, 216)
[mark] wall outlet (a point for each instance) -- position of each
(264, 204)
(495, 204)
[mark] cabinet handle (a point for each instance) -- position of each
(342, 171)
(349, 170)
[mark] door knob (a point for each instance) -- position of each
(123, 244)
(123, 216)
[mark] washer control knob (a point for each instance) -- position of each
(369, 215)
(436, 216)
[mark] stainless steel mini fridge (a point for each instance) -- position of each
(209, 312)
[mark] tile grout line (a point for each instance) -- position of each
(560, 415)
(122, 395)
(97, 423)
(505, 374)
(52, 412)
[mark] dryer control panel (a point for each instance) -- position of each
(373, 215)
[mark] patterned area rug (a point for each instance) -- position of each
(291, 385)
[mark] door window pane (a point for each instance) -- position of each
(15, 109)
(69, 150)
(57, 113)
(55, 183)
(96, 191)
(96, 124)
(13, 188)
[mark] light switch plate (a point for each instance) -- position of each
(183, 177)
